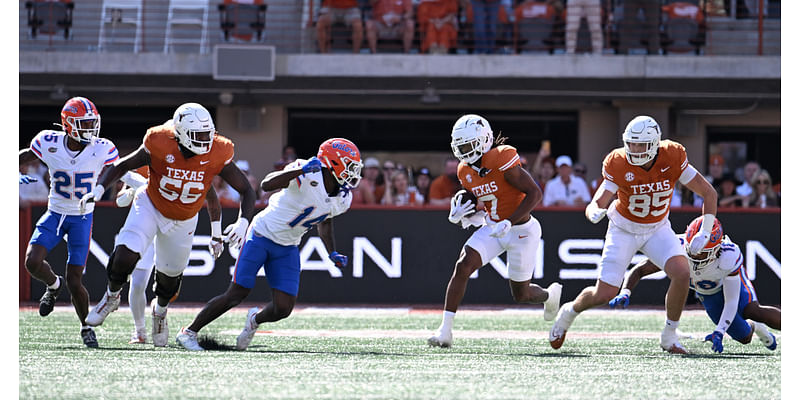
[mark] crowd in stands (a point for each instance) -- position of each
(564, 183)
(512, 26)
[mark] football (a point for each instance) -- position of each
(466, 195)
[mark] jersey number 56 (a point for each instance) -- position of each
(170, 188)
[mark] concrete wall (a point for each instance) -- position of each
(261, 148)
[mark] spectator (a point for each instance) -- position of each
(391, 19)
(438, 25)
(727, 192)
(579, 170)
(369, 191)
(545, 172)
(591, 10)
(566, 189)
(422, 183)
(334, 11)
(763, 195)
(484, 23)
(630, 33)
(399, 193)
(446, 184)
(716, 166)
(751, 169)
(287, 156)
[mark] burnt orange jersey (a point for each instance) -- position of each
(644, 195)
(143, 171)
(177, 185)
(500, 199)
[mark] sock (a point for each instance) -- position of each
(113, 294)
(569, 313)
(189, 332)
(447, 321)
(55, 284)
(761, 330)
(84, 327)
(671, 325)
(159, 308)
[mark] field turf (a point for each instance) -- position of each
(381, 353)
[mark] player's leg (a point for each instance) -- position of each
(618, 250)
(137, 298)
(522, 245)
(665, 251)
(46, 236)
(79, 234)
(479, 249)
(766, 314)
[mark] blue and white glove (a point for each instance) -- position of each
(501, 228)
(622, 299)
(340, 260)
(312, 165)
(235, 232)
(94, 195)
(459, 210)
(26, 179)
(716, 341)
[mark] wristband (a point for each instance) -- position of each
(626, 292)
(99, 190)
(708, 223)
(216, 229)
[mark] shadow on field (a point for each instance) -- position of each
(727, 355)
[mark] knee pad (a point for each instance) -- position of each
(119, 270)
(167, 286)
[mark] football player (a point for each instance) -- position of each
(141, 273)
(643, 174)
(721, 284)
(312, 192)
(75, 156)
(183, 157)
(509, 194)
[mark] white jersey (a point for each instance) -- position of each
(708, 280)
(295, 209)
(71, 177)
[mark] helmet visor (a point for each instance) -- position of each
(200, 141)
(85, 127)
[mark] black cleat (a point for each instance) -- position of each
(89, 338)
(48, 300)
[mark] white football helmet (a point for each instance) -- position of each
(194, 127)
(472, 137)
(642, 129)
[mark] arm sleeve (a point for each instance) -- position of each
(608, 185)
(730, 290)
(687, 174)
(36, 147)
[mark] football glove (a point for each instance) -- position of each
(477, 219)
(459, 210)
(26, 179)
(622, 299)
(92, 196)
(215, 245)
(125, 197)
(594, 213)
(312, 165)
(716, 341)
(340, 260)
(235, 232)
(500, 229)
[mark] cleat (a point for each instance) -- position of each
(553, 301)
(138, 336)
(89, 338)
(188, 340)
(557, 336)
(160, 328)
(107, 305)
(441, 339)
(48, 300)
(670, 343)
(770, 342)
(250, 327)
(559, 330)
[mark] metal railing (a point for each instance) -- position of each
(702, 27)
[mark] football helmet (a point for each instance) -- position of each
(343, 159)
(194, 127)
(642, 129)
(711, 250)
(472, 137)
(80, 119)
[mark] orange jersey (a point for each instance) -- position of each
(500, 199)
(177, 185)
(644, 195)
(144, 171)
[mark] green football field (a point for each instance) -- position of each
(381, 353)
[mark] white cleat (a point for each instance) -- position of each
(160, 328)
(670, 343)
(107, 305)
(138, 336)
(559, 330)
(441, 339)
(188, 340)
(553, 301)
(250, 328)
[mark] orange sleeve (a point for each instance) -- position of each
(507, 158)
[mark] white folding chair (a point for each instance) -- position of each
(182, 6)
(121, 12)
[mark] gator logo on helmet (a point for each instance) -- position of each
(345, 148)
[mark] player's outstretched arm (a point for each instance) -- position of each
(26, 156)
(702, 188)
(236, 178)
(215, 246)
(113, 173)
(632, 279)
(598, 207)
(325, 231)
